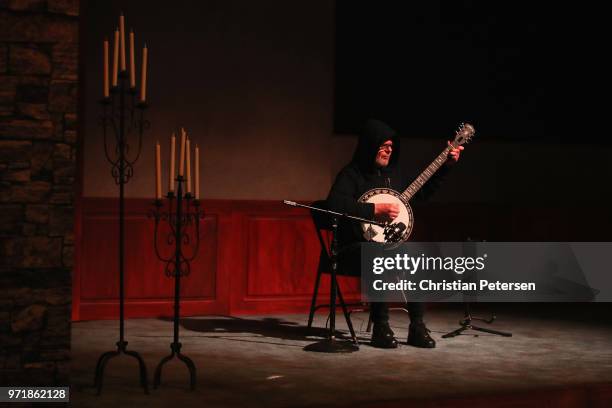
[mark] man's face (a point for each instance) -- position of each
(384, 153)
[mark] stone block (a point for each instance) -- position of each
(29, 319)
(33, 110)
(63, 96)
(62, 152)
(29, 230)
(65, 61)
(68, 7)
(56, 355)
(32, 93)
(68, 256)
(59, 297)
(41, 160)
(39, 28)
(11, 218)
(32, 192)
(21, 129)
(51, 342)
(8, 89)
(70, 136)
(65, 174)
(58, 321)
(3, 58)
(19, 165)
(16, 175)
(25, 5)
(61, 220)
(38, 214)
(62, 195)
(70, 121)
(11, 251)
(28, 60)
(42, 252)
(11, 149)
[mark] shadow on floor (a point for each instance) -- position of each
(270, 327)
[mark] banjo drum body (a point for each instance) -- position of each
(376, 233)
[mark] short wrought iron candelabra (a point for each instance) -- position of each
(123, 125)
(182, 216)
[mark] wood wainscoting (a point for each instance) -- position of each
(255, 257)
(259, 257)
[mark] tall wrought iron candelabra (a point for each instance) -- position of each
(182, 216)
(123, 118)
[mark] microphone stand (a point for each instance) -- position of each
(332, 344)
(466, 322)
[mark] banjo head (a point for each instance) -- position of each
(388, 196)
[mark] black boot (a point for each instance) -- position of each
(383, 336)
(418, 336)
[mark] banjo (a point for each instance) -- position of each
(401, 227)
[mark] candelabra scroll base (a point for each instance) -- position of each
(176, 352)
(121, 349)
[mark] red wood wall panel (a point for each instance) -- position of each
(281, 256)
(148, 291)
(261, 256)
(254, 257)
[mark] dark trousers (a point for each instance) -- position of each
(349, 260)
(380, 312)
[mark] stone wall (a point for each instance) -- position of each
(38, 137)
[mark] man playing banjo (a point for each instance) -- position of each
(375, 165)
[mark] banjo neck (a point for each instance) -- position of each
(426, 174)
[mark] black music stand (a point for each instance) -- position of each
(331, 344)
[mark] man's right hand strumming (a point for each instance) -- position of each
(385, 212)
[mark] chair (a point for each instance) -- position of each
(323, 227)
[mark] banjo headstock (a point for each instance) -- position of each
(463, 135)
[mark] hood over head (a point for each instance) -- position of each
(372, 136)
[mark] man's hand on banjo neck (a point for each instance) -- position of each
(387, 212)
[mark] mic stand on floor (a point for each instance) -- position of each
(332, 344)
(466, 324)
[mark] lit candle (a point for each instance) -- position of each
(143, 79)
(116, 57)
(122, 34)
(188, 154)
(106, 91)
(196, 154)
(132, 63)
(182, 154)
(172, 154)
(158, 172)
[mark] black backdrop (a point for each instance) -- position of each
(518, 70)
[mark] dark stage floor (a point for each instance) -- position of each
(558, 356)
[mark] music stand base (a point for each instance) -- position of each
(332, 345)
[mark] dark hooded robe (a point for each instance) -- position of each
(361, 175)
